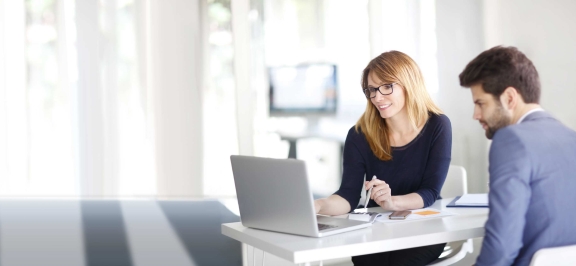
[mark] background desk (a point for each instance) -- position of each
(116, 232)
(468, 223)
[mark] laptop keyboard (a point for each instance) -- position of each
(325, 227)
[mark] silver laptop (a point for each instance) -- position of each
(275, 195)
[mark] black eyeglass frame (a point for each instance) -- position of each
(369, 90)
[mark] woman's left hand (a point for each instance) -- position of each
(381, 194)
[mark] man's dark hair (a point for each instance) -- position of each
(502, 67)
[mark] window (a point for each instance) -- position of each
(43, 127)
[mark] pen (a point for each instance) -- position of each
(368, 195)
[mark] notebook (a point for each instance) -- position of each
(470, 200)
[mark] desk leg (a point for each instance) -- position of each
(268, 259)
(244, 254)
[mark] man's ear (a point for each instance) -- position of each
(509, 98)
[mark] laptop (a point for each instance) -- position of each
(275, 195)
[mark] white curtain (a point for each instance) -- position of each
(408, 26)
(100, 98)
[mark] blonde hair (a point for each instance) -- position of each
(394, 67)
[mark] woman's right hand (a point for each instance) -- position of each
(318, 205)
(332, 205)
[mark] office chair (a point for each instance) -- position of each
(455, 185)
(558, 256)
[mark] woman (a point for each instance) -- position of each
(405, 141)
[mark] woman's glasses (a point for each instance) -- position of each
(385, 89)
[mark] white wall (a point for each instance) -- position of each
(543, 30)
(96, 177)
(460, 39)
(546, 32)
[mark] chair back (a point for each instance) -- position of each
(456, 183)
(558, 256)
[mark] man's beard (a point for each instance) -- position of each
(497, 121)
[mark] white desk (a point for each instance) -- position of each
(381, 237)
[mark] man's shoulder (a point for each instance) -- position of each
(518, 134)
(536, 124)
(511, 132)
(536, 134)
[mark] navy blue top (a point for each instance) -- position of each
(419, 166)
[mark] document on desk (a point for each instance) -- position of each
(419, 214)
(472, 200)
(365, 216)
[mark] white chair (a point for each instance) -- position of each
(558, 256)
(455, 185)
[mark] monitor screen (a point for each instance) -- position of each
(303, 90)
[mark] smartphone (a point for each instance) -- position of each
(399, 215)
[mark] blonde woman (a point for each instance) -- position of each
(405, 141)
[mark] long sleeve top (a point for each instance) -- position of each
(419, 166)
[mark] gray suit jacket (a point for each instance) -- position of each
(532, 190)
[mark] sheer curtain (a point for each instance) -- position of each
(36, 147)
(413, 32)
(100, 98)
(114, 140)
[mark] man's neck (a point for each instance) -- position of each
(525, 108)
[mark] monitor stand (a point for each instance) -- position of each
(312, 126)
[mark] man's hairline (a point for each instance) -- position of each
(494, 96)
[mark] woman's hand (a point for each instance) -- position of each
(332, 205)
(318, 205)
(381, 194)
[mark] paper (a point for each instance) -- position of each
(420, 214)
(428, 212)
(473, 200)
(364, 216)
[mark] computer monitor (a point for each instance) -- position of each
(303, 90)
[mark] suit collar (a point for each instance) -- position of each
(536, 115)
(528, 113)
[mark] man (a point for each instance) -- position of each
(532, 160)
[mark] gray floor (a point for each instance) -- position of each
(96, 232)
